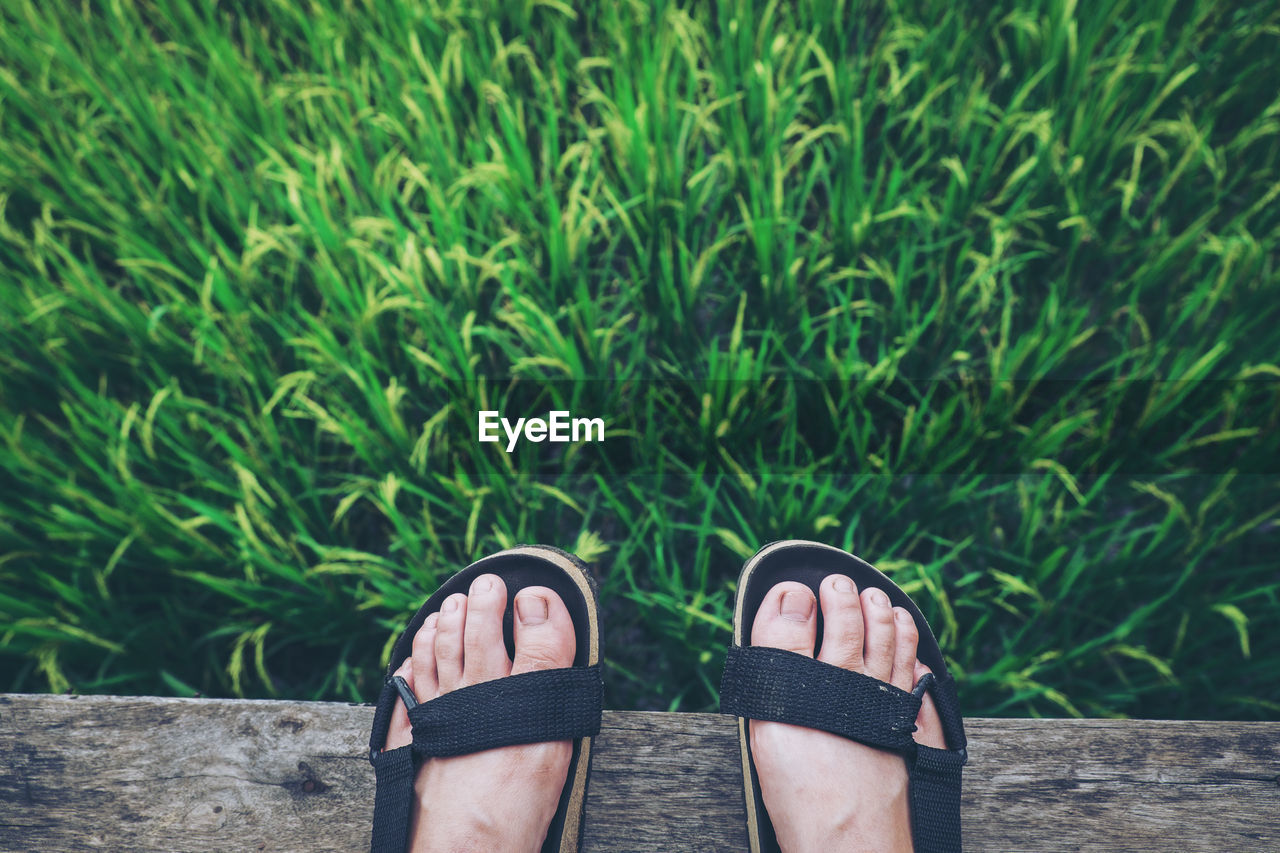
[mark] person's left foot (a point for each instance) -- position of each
(499, 799)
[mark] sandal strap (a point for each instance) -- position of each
(947, 703)
(763, 683)
(935, 798)
(394, 771)
(934, 773)
(532, 707)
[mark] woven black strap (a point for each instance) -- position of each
(935, 799)
(546, 705)
(394, 771)
(763, 683)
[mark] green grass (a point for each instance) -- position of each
(987, 296)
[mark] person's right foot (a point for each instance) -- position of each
(824, 792)
(500, 799)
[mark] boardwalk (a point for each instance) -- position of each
(149, 774)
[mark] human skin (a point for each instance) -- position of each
(823, 792)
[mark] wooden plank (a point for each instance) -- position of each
(118, 773)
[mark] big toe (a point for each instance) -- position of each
(786, 619)
(543, 631)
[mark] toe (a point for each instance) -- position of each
(544, 631)
(928, 723)
(786, 619)
(841, 623)
(484, 655)
(449, 642)
(905, 636)
(877, 617)
(400, 731)
(424, 682)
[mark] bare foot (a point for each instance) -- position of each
(824, 792)
(499, 799)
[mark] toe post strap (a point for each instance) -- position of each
(925, 683)
(943, 693)
(406, 693)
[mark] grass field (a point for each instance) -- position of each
(986, 295)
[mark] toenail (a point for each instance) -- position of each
(431, 621)
(532, 609)
(796, 605)
(879, 599)
(483, 584)
(450, 604)
(902, 616)
(843, 584)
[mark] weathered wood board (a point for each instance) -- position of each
(149, 774)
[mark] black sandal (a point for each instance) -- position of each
(546, 705)
(762, 683)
